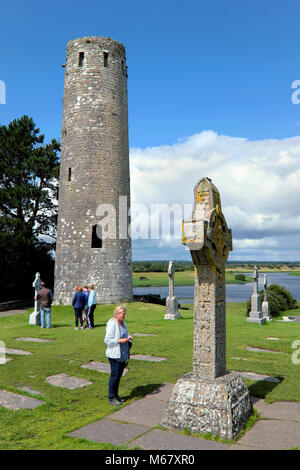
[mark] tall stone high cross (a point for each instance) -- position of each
(265, 305)
(209, 399)
(172, 312)
(209, 241)
(256, 314)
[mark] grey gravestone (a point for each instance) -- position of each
(35, 340)
(67, 381)
(100, 367)
(141, 357)
(255, 314)
(18, 352)
(172, 312)
(142, 334)
(209, 399)
(16, 402)
(35, 317)
(265, 305)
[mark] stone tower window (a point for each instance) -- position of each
(105, 59)
(70, 174)
(96, 240)
(81, 59)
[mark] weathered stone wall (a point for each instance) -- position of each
(94, 170)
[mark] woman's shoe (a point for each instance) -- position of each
(115, 402)
(122, 400)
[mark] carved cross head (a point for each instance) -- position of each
(208, 231)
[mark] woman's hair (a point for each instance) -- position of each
(79, 289)
(85, 286)
(91, 286)
(119, 309)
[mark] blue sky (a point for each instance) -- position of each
(224, 67)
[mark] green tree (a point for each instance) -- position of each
(28, 204)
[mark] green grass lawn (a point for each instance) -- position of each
(47, 426)
(184, 278)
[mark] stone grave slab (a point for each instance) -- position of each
(250, 348)
(67, 381)
(273, 339)
(100, 367)
(157, 439)
(14, 401)
(241, 358)
(143, 334)
(253, 376)
(142, 357)
(106, 430)
(30, 390)
(4, 360)
(35, 340)
(18, 352)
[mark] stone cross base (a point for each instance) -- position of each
(219, 406)
(35, 318)
(256, 317)
(266, 310)
(172, 312)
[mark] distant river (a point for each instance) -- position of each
(234, 292)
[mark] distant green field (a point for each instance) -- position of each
(296, 273)
(184, 278)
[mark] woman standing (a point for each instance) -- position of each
(78, 303)
(117, 339)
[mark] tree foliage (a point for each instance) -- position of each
(28, 203)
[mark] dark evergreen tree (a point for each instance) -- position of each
(28, 206)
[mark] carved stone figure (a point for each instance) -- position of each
(34, 318)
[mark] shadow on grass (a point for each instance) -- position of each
(262, 388)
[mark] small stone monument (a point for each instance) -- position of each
(35, 317)
(208, 400)
(265, 305)
(255, 314)
(172, 312)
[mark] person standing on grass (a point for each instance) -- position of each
(91, 306)
(86, 307)
(78, 303)
(118, 344)
(45, 296)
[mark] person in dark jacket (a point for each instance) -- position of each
(78, 303)
(45, 296)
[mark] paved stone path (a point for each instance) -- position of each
(136, 425)
(9, 313)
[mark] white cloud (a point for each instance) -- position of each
(259, 183)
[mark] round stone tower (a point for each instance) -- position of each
(93, 245)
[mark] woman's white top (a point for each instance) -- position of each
(112, 337)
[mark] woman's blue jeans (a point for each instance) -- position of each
(117, 369)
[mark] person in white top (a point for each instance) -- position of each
(117, 340)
